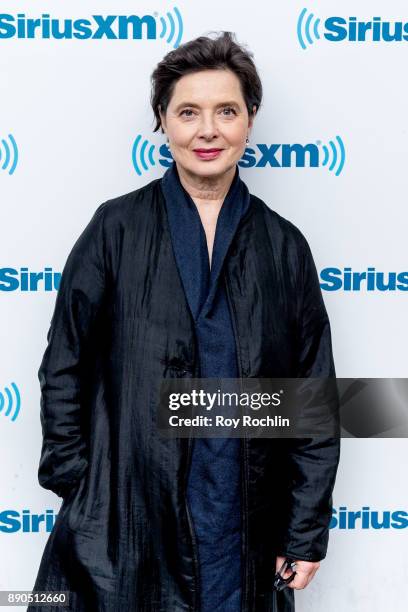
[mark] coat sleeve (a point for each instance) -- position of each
(312, 462)
(81, 291)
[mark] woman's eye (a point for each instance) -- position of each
(229, 109)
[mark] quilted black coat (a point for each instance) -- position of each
(123, 540)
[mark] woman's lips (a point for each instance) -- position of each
(207, 153)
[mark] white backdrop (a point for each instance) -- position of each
(71, 110)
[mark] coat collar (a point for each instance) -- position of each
(189, 241)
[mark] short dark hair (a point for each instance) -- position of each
(204, 53)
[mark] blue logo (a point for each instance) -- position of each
(171, 27)
(144, 155)
(168, 27)
(13, 521)
(10, 403)
(368, 519)
(334, 155)
(332, 279)
(336, 279)
(8, 154)
(338, 29)
(307, 28)
(12, 279)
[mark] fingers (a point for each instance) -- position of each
(279, 562)
(305, 571)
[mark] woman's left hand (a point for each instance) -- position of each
(305, 570)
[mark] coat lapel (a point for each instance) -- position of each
(188, 240)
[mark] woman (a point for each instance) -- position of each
(187, 276)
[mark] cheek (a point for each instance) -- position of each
(236, 135)
(181, 144)
(180, 135)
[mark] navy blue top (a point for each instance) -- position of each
(214, 484)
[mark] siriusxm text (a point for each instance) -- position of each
(95, 27)
(335, 279)
(354, 30)
(12, 279)
(368, 519)
(14, 521)
(273, 155)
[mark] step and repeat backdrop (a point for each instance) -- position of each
(329, 151)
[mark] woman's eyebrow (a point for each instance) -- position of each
(194, 105)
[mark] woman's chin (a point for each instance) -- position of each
(208, 168)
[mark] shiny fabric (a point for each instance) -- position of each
(214, 487)
(123, 539)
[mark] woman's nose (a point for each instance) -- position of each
(208, 127)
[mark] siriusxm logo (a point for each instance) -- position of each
(8, 154)
(331, 156)
(334, 279)
(111, 27)
(338, 29)
(24, 280)
(10, 403)
(13, 521)
(368, 519)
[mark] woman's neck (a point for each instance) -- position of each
(208, 194)
(207, 191)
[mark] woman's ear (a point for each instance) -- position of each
(252, 117)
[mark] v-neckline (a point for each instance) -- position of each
(200, 279)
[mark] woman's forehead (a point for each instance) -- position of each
(207, 85)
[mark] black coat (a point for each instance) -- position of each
(123, 539)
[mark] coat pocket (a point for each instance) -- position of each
(73, 503)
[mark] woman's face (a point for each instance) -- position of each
(207, 122)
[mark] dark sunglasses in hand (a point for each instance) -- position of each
(280, 582)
